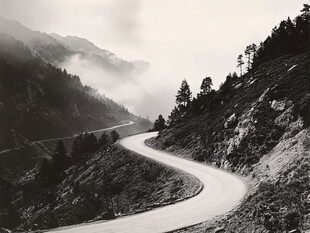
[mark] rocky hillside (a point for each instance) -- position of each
(258, 109)
(99, 185)
(38, 100)
(256, 125)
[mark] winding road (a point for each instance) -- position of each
(222, 192)
(68, 137)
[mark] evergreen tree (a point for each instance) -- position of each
(253, 50)
(104, 139)
(90, 143)
(184, 95)
(234, 75)
(77, 144)
(306, 17)
(306, 12)
(206, 85)
(240, 63)
(248, 53)
(59, 156)
(159, 124)
(114, 136)
(174, 116)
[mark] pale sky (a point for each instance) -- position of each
(179, 38)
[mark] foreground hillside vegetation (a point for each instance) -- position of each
(97, 180)
(256, 125)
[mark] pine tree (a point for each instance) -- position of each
(174, 116)
(103, 140)
(253, 50)
(114, 136)
(184, 95)
(240, 63)
(306, 11)
(77, 144)
(59, 156)
(159, 124)
(234, 75)
(206, 85)
(306, 17)
(90, 142)
(248, 52)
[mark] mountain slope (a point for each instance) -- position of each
(262, 132)
(41, 101)
(56, 49)
(251, 109)
(98, 185)
(256, 125)
(41, 44)
(103, 58)
(80, 44)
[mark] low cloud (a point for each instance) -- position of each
(123, 87)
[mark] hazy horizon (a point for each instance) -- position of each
(178, 39)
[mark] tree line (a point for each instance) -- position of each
(290, 37)
(185, 103)
(50, 170)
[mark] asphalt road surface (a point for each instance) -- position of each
(222, 192)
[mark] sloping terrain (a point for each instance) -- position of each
(41, 101)
(41, 44)
(219, 193)
(258, 109)
(262, 132)
(279, 196)
(101, 185)
(256, 125)
(88, 51)
(56, 49)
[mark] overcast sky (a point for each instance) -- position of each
(179, 38)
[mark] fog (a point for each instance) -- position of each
(123, 87)
(178, 39)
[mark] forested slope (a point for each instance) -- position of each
(41, 101)
(256, 124)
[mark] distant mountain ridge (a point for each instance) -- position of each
(41, 44)
(39, 100)
(80, 44)
(57, 49)
(89, 51)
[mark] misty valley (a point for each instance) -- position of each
(169, 117)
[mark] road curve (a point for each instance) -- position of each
(222, 192)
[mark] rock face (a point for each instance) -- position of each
(261, 130)
(248, 125)
(220, 230)
(278, 105)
